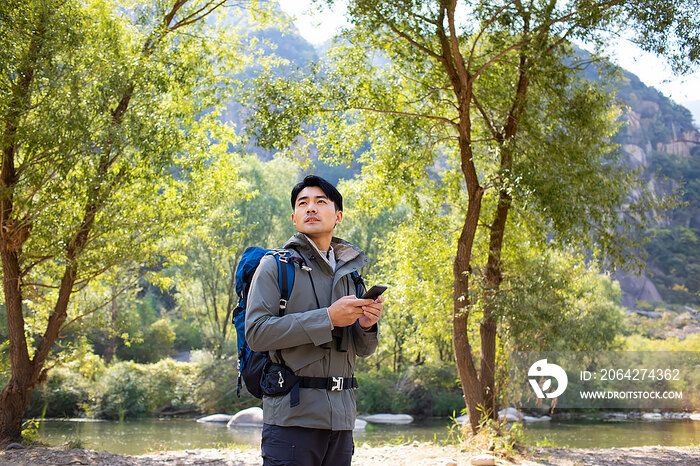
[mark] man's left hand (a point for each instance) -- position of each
(372, 313)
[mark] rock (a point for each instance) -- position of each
(14, 446)
(483, 460)
(360, 424)
(530, 419)
(389, 418)
(463, 419)
(652, 416)
(615, 416)
(695, 417)
(447, 462)
(216, 418)
(251, 417)
(510, 415)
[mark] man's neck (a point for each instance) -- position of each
(323, 243)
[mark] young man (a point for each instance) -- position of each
(324, 327)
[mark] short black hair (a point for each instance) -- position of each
(327, 188)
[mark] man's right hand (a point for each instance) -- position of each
(347, 310)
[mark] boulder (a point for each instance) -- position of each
(223, 418)
(389, 418)
(695, 417)
(463, 419)
(360, 424)
(652, 416)
(483, 460)
(251, 417)
(531, 419)
(615, 416)
(510, 415)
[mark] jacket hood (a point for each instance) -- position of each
(343, 250)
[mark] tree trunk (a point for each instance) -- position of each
(493, 273)
(488, 327)
(16, 394)
(460, 313)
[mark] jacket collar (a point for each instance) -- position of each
(344, 251)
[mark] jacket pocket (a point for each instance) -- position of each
(301, 356)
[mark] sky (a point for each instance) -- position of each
(318, 27)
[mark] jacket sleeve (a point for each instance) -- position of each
(265, 330)
(366, 341)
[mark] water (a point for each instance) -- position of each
(597, 434)
(147, 435)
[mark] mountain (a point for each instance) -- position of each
(661, 139)
(694, 107)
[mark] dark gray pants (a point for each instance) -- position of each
(301, 446)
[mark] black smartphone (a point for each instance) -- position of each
(374, 292)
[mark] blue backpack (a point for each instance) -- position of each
(254, 367)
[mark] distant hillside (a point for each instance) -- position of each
(694, 107)
(661, 139)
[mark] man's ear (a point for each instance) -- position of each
(294, 222)
(338, 216)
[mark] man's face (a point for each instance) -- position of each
(315, 214)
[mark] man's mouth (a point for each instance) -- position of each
(312, 219)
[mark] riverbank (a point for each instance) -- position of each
(414, 454)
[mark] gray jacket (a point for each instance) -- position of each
(303, 333)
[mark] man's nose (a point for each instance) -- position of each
(311, 208)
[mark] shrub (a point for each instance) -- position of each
(215, 385)
(63, 395)
(169, 385)
(121, 393)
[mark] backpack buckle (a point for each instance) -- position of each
(283, 304)
(337, 384)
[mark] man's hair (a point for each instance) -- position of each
(327, 188)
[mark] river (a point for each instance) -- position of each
(146, 435)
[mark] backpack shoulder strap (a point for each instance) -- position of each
(285, 276)
(360, 287)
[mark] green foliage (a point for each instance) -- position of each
(153, 345)
(215, 386)
(253, 212)
(553, 301)
(121, 393)
(426, 390)
(64, 394)
(5, 362)
(379, 394)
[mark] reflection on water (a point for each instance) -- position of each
(597, 434)
(141, 436)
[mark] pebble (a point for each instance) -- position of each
(483, 460)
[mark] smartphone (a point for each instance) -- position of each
(374, 292)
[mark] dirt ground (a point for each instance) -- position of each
(414, 454)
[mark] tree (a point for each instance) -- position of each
(255, 213)
(108, 118)
(481, 105)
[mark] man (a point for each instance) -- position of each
(324, 327)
